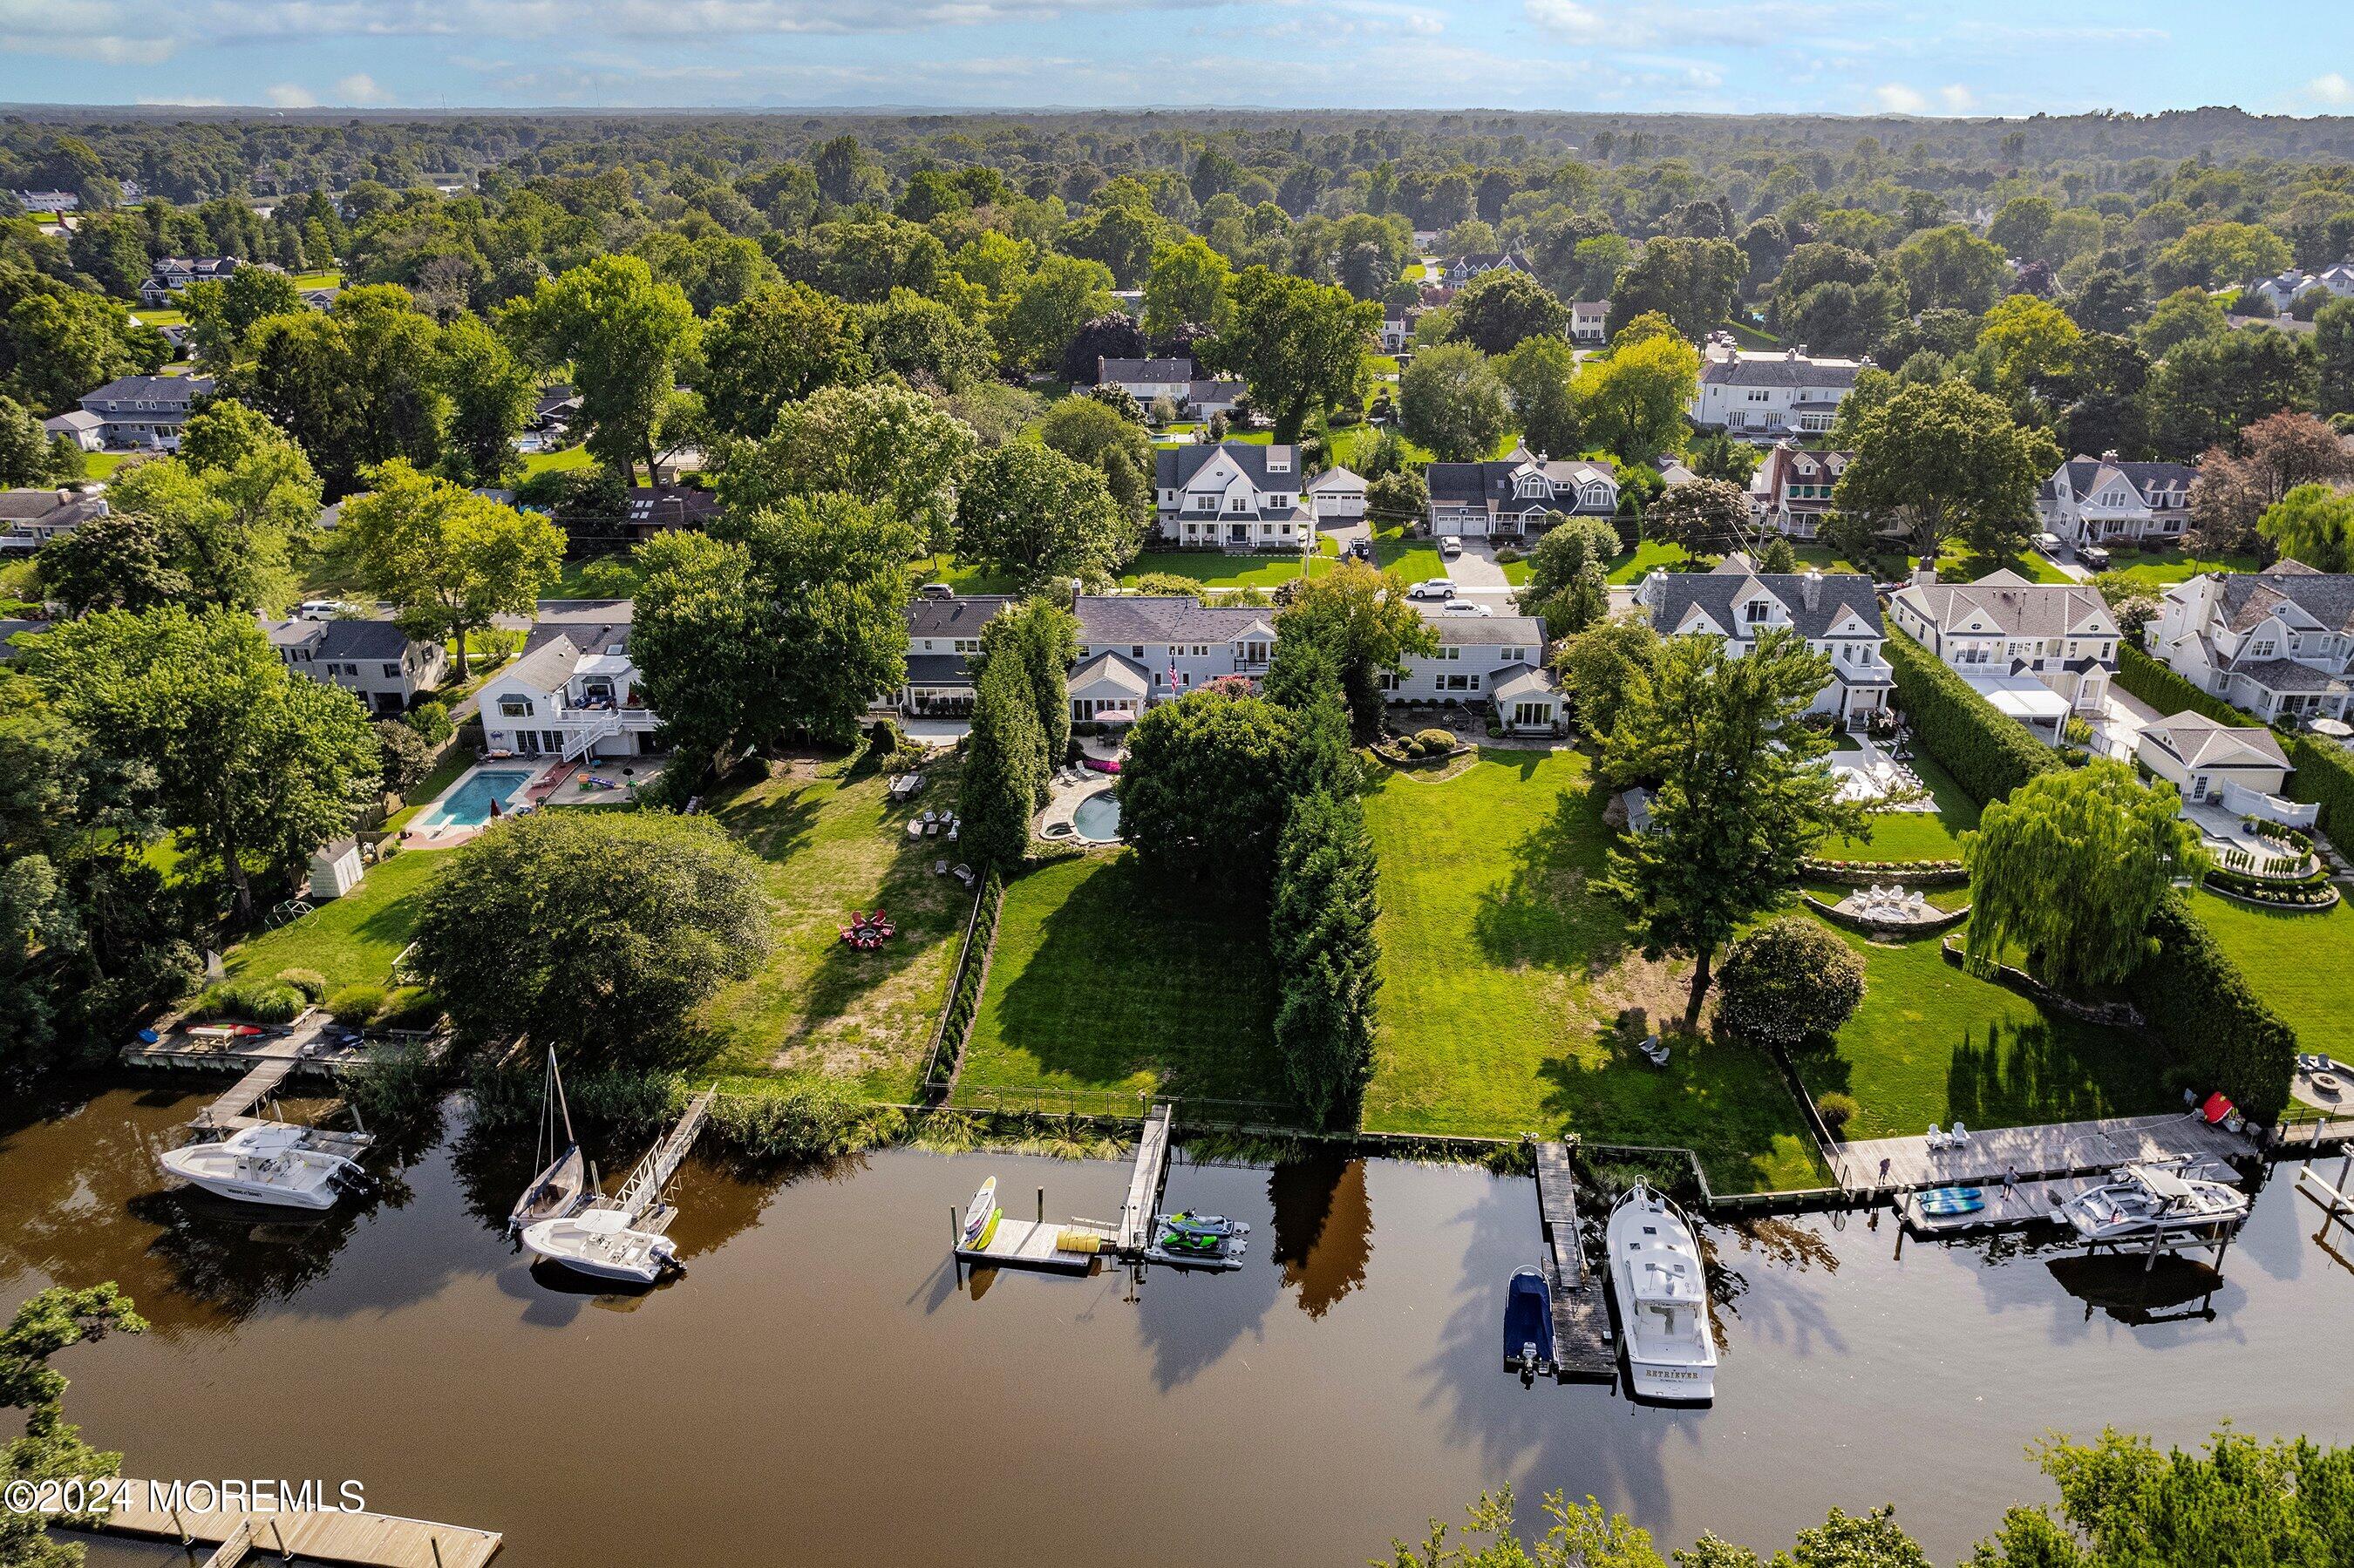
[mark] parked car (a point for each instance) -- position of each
(1450, 546)
(1432, 588)
(1464, 606)
(327, 609)
(2094, 556)
(936, 591)
(1362, 549)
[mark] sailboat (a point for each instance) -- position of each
(564, 1184)
(620, 1237)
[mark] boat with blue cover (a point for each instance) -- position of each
(1528, 1325)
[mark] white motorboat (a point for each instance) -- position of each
(2153, 1202)
(272, 1163)
(599, 1242)
(1655, 1265)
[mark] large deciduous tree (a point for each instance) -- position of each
(1360, 620)
(357, 385)
(450, 559)
(1202, 789)
(786, 622)
(1950, 268)
(1034, 513)
(2312, 524)
(624, 334)
(1451, 401)
(775, 348)
(1299, 346)
(1691, 282)
(256, 764)
(1946, 460)
(490, 394)
(1741, 796)
(2273, 456)
(2069, 868)
(1790, 982)
(2208, 389)
(1189, 285)
(597, 931)
(1503, 308)
(895, 449)
(1541, 378)
(1706, 516)
(1634, 399)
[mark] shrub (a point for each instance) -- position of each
(255, 1001)
(812, 1119)
(1836, 1109)
(1988, 754)
(2324, 776)
(409, 1007)
(1435, 742)
(309, 982)
(2218, 1030)
(884, 738)
(393, 1087)
(2161, 688)
(1788, 982)
(431, 720)
(356, 1003)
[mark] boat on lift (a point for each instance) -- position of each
(565, 1180)
(273, 1163)
(601, 1241)
(2155, 1203)
(1655, 1264)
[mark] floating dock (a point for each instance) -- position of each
(641, 1196)
(1584, 1349)
(2037, 1154)
(356, 1539)
(1037, 1244)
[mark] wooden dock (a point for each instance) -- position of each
(2035, 1154)
(1138, 1210)
(2029, 1203)
(1582, 1347)
(259, 1083)
(1034, 1244)
(641, 1194)
(357, 1539)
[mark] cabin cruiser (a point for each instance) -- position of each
(599, 1242)
(1655, 1265)
(2154, 1202)
(270, 1163)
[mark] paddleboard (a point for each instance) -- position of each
(981, 1214)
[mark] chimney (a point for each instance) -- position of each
(1925, 571)
(1814, 588)
(2110, 455)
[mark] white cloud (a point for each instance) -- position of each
(2330, 87)
(361, 91)
(1895, 97)
(1578, 24)
(1956, 99)
(287, 95)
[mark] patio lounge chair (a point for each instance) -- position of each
(1959, 1135)
(1936, 1138)
(940, 868)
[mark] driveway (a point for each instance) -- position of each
(2116, 728)
(1477, 567)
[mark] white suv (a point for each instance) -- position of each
(1432, 588)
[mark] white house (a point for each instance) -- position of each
(79, 425)
(375, 660)
(1146, 379)
(1516, 495)
(1790, 490)
(31, 518)
(1136, 649)
(2281, 291)
(1237, 496)
(50, 201)
(1589, 323)
(1767, 396)
(1484, 660)
(2240, 767)
(2276, 642)
(1836, 612)
(1397, 332)
(2103, 500)
(574, 693)
(2039, 651)
(1337, 495)
(1215, 395)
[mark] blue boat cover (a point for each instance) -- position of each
(1528, 1318)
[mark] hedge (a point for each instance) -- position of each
(2324, 776)
(2169, 692)
(1987, 753)
(2218, 1030)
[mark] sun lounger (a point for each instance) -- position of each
(940, 868)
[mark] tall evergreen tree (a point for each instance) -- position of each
(1005, 767)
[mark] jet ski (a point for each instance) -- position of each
(1192, 1224)
(1193, 1247)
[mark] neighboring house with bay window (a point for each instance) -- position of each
(2275, 642)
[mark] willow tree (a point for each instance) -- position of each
(2069, 869)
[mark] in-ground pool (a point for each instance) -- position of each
(1096, 817)
(469, 805)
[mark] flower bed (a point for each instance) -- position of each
(1865, 873)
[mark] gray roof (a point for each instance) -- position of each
(1516, 681)
(149, 389)
(341, 639)
(1777, 371)
(2145, 476)
(51, 508)
(2017, 608)
(2202, 742)
(546, 663)
(1470, 484)
(953, 617)
(597, 633)
(1173, 467)
(1178, 369)
(1135, 619)
(2288, 675)
(939, 670)
(1486, 631)
(2328, 597)
(1717, 593)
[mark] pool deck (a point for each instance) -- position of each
(426, 833)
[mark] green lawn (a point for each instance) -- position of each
(1633, 565)
(1931, 1044)
(600, 576)
(2298, 962)
(1105, 979)
(1916, 835)
(832, 841)
(967, 580)
(353, 940)
(1503, 970)
(102, 465)
(1413, 559)
(16, 580)
(2158, 568)
(1517, 572)
(569, 457)
(1215, 570)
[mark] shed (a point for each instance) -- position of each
(336, 869)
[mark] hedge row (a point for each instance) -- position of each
(2169, 692)
(964, 1002)
(2217, 1031)
(2324, 776)
(1987, 753)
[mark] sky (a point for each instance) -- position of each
(1966, 57)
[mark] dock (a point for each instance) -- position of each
(2036, 1154)
(356, 1539)
(1138, 1210)
(1036, 1244)
(2029, 1203)
(641, 1194)
(1584, 1349)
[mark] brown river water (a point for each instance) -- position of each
(820, 1388)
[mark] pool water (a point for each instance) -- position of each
(469, 805)
(1096, 817)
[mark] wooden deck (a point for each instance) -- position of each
(2029, 1203)
(1583, 1348)
(360, 1540)
(1029, 1243)
(1144, 1184)
(2034, 1154)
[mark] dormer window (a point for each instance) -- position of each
(1756, 611)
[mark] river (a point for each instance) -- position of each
(820, 1388)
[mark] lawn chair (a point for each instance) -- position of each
(1936, 1138)
(1960, 1137)
(940, 868)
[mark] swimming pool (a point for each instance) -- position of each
(469, 805)
(1096, 817)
